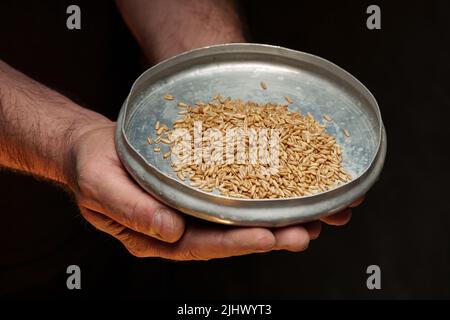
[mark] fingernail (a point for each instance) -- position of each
(163, 225)
(156, 224)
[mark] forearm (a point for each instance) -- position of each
(165, 28)
(38, 126)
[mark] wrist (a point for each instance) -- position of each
(76, 137)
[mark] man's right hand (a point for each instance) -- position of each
(115, 204)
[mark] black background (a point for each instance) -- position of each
(402, 227)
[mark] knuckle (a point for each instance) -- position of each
(228, 240)
(139, 216)
(139, 247)
(136, 253)
(192, 254)
(140, 209)
(132, 247)
(120, 232)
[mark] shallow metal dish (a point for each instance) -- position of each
(236, 70)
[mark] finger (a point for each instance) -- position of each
(136, 243)
(292, 238)
(102, 222)
(314, 228)
(125, 202)
(204, 242)
(357, 202)
(198, 243)
(108, 225)
(338, 219)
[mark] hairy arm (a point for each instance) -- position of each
(165, 28)
(38, 125)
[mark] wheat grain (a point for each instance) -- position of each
(310, 159)
(263, 85)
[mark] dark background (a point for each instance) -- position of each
(402, 227)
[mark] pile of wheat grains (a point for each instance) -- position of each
(309, 159)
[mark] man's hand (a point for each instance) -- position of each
(113, 203)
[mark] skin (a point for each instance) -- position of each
(47, 135)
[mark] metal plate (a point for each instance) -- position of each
(236, 70)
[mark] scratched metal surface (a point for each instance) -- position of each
(316, 86)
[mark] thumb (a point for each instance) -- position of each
(116, 196)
